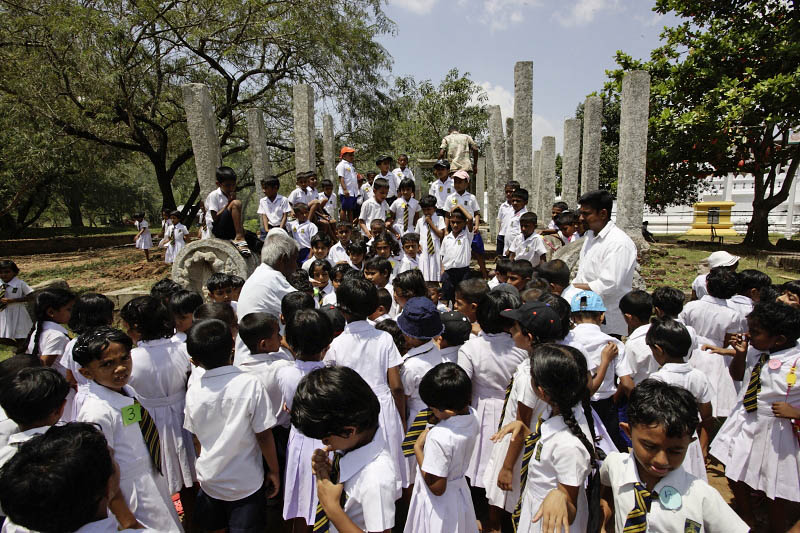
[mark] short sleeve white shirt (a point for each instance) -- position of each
(366, 192)
(683, 375)
(347, 171)
(416, 363)
(441, 190)
(639, 355)
(490, 360)
(302, 233)
(504, 213)
(52, 341)
(593, 340)
(372, 210)
(274, 209)
(449, 446)
(467, 200)
(408, 263)
(512, 227)
(699, 286)
(368, 351)
(330, 205)
(265, 367)
(300, 196)
(457, 250)
(338, 254)
(215, 201)
(712, 319)
(398, 207)
(531, 248)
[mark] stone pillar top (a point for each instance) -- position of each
(201, 122)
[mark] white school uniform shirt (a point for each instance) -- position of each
(741, 303)
(225, 412)
(504, 214)
(372, 210)
(299, 195)
(368, 351)
(321, 293)
(15, 322)
(450, 353)
(467, 200)
(52, 341)
(401, 174)
(348, 172)
(392, 180)
(265, 367)
(712, 319)
(701, 508)
(329, 299)
(683, 375)
(457, 250)
(330, 205)
(307, 263)
(513, 229)
(302, 233)
(407, 263)
(365, 192)
(430, 265)
(639, 355)
(416, 363)
(177, 232)
(7, 428)
(106, 525)
(699, 286)
(372, 485)
(274, 209)
(531, 248)
(593, 340)
(398, 208)
(338, 254)
(607, 263)
(494, 282)
(215, 201)
(441, 190)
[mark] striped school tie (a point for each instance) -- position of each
(530, 444)
(431, 249)
(3, 293)
(321, 522)
(405, 217)
(150, 434)
(416, 429)
(754, 386)
(636, 521)
(505, 403)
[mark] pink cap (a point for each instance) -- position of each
(463, 174)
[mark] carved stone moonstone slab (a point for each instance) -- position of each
(198, 260)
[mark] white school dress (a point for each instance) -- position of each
(300, 483)
(399, 207)
(489, 360)
(430, 263)
(145, 240)
(83, 384)
(15, 322)
(447, 450)
(52, 341)
(107, 525)
(712, 319)
(715, 367)
(758, 448)
(144, 489)
(693, 380)
(159, 375)
(559, 457)
(174, 241)
(371, 353)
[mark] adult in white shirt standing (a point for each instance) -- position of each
(607, 260)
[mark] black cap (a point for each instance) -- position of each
(457, 328)
(444, 163)
(538, 318)
(383, 158)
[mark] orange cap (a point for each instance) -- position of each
(346, 150)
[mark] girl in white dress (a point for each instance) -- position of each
(174, 238)
(309, 333)
(48, 338)
(15, 323)
(160, 373)
(441, 500)
(758, 444)
(670, 342)
(143, 239)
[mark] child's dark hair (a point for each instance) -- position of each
(554, 271)
(336, 318)
(299, 280)
(791, 286)
(293, 302)
(90, 311)
(491, 305)
(407, 183)
(253, 327)
(56, 481)
(502, 264)
(321, 238)
(217, 310)
(566, 218)
(218, 280)
(391, 327)
(410, 283)
(10, 265)
(329, 399)
(339, 268)
(637, 303)
(529, 217)
(777, 318)
(380, 183)
(209, 342)
(184, 302)
(149, 317)
(164, 289)
(322, 264)
(91, 345)
(357, 247)
(669, 300)
(472, 290)
(561, 371)
(598, 200)
(522, 268)
(378, 264)
(770, 293)
(433, 285)
(722, 283)
(385, 237)
(520, 193)
(353, 273)
(271, 182)
(514, 184)
(33, 394)
(15, 363)
(446, 387)
(45, 300)
(560, 306)
(427, 201)
(751, 278)
(224, 174)
(357, 298)
(654, 402)
(561, 205)
(384, 299)
(176, 214)
(308, 333)
(458, 214)
(300, 206)
(343, 224)
(326, 183)
(671, 336)
(539, 284)
(410, 237)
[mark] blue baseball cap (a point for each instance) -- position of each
(587, 301)
(420, 318)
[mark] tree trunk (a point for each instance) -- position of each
(758, 229)
(74, 210)
(164, 179)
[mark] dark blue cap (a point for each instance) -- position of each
(420, 319)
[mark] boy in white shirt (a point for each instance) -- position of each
(224, 211)
(637, 308)
(456, 252)
(710, 316)
(402, 171)
(457, 331)
(406, 208)
(567, 223)
(320, 249)
(748, 291)
(411, 248)
(519, 201)
(338, 252)
(466, 200)
(384, 164)
(300, 194)
(301, 230)
(327, 204)
(528, 245)
(431, 229)
(374, 208)
(365, 189)
(231, 416)
(504, 213)
(273, 208)
(356, 251)
(442, 186)
(348, 183)
(555, 211)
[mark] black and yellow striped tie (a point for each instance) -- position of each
(636, 521)
(150, 433)
(754, 386)
(431, 248)
(416, 429)
(2, 295)
(530, 444)
(405, 217)
(321, 522)
(505, 403)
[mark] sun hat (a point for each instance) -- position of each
(444, 163)
(420, 318)
(722, 259)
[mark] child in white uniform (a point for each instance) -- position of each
(406, 208)
(504, 213)
(174, 239)
(637, 308)
(105, 358)
(15, 323)
(49, 338)
(301, 230)
(411, 251)
(757, 443)
(431, 229)
(143, 239)
(441, 500)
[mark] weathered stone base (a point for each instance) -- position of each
(198, 260)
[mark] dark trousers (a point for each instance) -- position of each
(607, 411)
(450, 280)
(240, 516)
(501, 244)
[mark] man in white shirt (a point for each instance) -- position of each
(348, 183)
(608, 258)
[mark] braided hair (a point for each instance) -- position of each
(46, 300)
(561, 371)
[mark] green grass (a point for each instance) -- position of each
(45, 233)
(37, 276)
(6, 352)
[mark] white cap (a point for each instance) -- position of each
(722, 259)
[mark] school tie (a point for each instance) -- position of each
(754, 386)
(416, 429)
(530, 444)
(405, 217)
(150, 434)
(505, 403)
(2, 295)
(320, 296)
(321, 522)
(636, 521)
(431, 248)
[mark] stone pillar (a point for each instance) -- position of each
(497, 152)
(494, 202)
(571, 161)
(480, 187)
(201, 122)
(727, 193)
(533, 189)
(547, 180)
(523, 123)
(510, 148)
(592, 128)
(259, 152)
(420, 188)
(328, 150)
(788, 229)
(634, 115)
(304, 133)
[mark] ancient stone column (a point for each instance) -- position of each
(523, 123)
(497, 152)
(533, 190)
(259, 152)
(202, 124)
(328, 150)
(547, 180)
(491, 183)
(304, 133)
(634, 115)
(480, 186)
(509, 148)
(571, 161)
(592, 126)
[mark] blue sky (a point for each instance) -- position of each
(571, 44)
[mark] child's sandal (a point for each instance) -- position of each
(242, 247)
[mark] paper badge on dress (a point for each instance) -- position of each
(670, 498)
